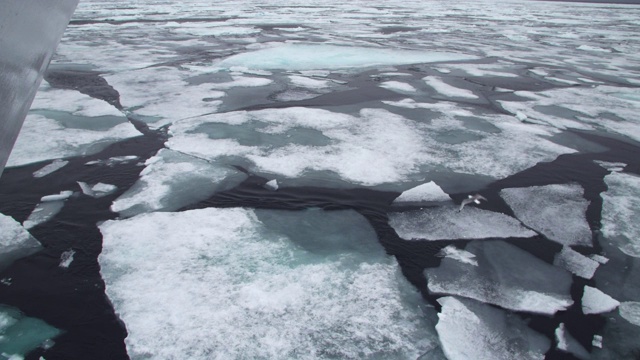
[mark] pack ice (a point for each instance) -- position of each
(504, 276)
(15, 241)
(238, 283)
(557, 211)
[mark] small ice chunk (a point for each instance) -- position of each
(557, 211)
(611, 166)
(307, 82)
(620, 212)
(568, 344)
(15, 241)
(113, 161)
(98, 190)
(576, 263)
(86, 189)
(599, 258)
(505, 276)
(597, 341)
(398, 86)
(595, 301)
(472, 330)
(64, 195)
(521, 116)
(66, 258)
(421, 193)
(48, 169)
(630, 311)
(272, 184)
(452, 252)
(447, 90)
(43, 212)
(21, 334)
(445, 222)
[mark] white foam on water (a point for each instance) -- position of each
(316, 57)
(63, 195)
(630, 311)
(620, 212)
(307, 82)
(505, 276)
(471, 330)
(595, 301)
(45, 139)
(171, 180)
(15, 241)
(426, 192)
(569, 344)
(230, 283)
(452, 252)
(398, 86)
(556, 211)
(21, 334)
(446, 222)
(576, 263)
(66, 258)
(447, 90)
(48, 169)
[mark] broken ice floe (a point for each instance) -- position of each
(504, 276)
(113, 161)
(97, 190)
(171, 180)
(49, 207)
(309, 83)
(422, 193)
(471, 330)
(66, 258)
(620, 212)
(599, 258)
(569, 344)
(595, 301)
(463, 256)
(597, 341)
(272, 184)
(630, 311)
(576, 263)
(447, 90)
(398, 86)
(557, 211)
(20, 334)
(63, 195)
(445, 222)
(275, 285)
(48, 169)
(611, 166)
(15, 241)
(72, 102)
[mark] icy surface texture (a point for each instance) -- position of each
(620, 212)
(310, 57)
(446, 222)
(472, 330)
(15, 241)
(557, 211)
(567, 343)
(505, 276)
(231, 283)
(171, 180)
(595, 301)
(576, 263)
(421, 193)
(630, 311)
(20, 334)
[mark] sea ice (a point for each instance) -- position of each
(595, 301)
(426, 192)
(48, 169)
(611, 166)
(242, 81)
(230, 283)
(15, 241)
(113, 161)
(98, 190)
(43, 212)
(472, 330)
(447, 90)
(309, 83)
(73, 102)
(599, 258)
(557, 211)
(172, 180)
(567, 343)
(504, 276)
(20, 334)
(452, 252)
(630, 311)
(398, 86)
(597, 341)
(446, 222)
(272, 184)
(316, 57)
(63, 195)
(576, 263)
(620, 212)
(66, 258)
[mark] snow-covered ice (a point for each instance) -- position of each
(447, 90)
(446, 222)
(569, 344)
(471, 330)
(423, 193)
(63, 195)
(504, 276)
(557, 211)
(630, 311)
(20, 334)
(595, 301)
(576, 263)
(15, 241)
(398, 86)
(620, 212)
(240, 283)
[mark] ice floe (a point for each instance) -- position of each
(445, 222)
(423, 193)
(113, 161)
(471, 330)
(505, 276)
(597, 341)
(63, 195)
(595, 301)
(569, 344)
(98, 190)
(20, 334)
(15, 241)
(447, 90)
(49, 207)
(309, 83)
(55, 165)
(630, 311)
(272, 184)
(71, 101)
(398, 86)
(557, 211)
(620, 211)
(229, 283)
(452, 252)
(172, 180)
(576, 263)
(66, 258)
